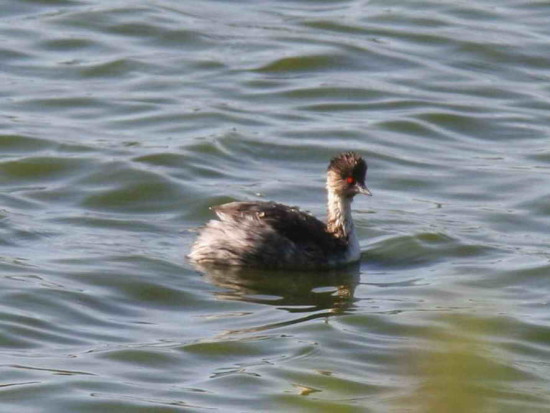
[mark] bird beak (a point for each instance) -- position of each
(362, 189)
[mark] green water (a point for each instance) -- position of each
(122, 122)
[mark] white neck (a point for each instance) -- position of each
(339, 221)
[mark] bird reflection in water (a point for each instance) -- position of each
(329, 292)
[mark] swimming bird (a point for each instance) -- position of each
(276, 236)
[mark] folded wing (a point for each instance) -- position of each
(289, 222)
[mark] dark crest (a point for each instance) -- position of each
(349, 164)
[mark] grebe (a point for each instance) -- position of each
(271, 235)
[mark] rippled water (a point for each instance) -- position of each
(122, 122)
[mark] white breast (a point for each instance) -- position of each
(354, 251)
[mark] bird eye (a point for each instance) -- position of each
(350, 180)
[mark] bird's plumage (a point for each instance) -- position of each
(266, 234)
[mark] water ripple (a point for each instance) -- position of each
(122, 123)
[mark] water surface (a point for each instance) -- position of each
(122, 122)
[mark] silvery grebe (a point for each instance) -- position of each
(271, 235)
